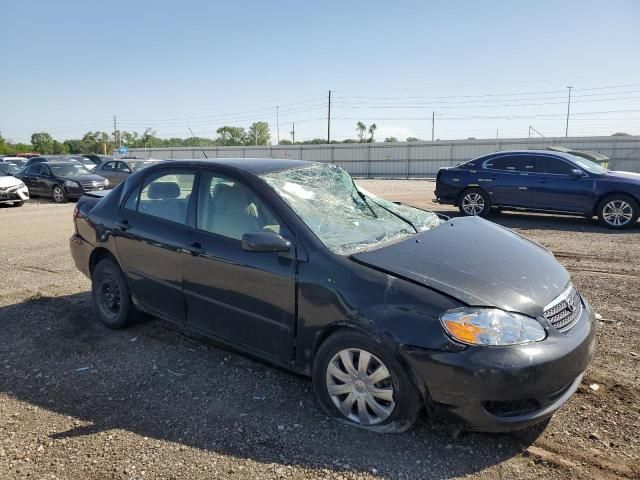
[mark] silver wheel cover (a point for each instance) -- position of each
(58, 194)
(617, 213)
(473, 203)
(360, 386)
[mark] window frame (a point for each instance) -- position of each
(562, 160)
(284, 227)
(145, 180)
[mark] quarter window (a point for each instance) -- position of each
(553, 165)
(515, 163)
(229, 208)
(165, 195)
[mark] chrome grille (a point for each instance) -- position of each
(564, 311)
(88, 186)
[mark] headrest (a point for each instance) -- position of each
(230, 199)
(163, 190)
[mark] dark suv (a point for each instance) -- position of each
(540, 180)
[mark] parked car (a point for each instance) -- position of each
(386, 307)
(19, 162)
(13, 191)
(60, 180)
(118, 170)
(42, 159)
(97, 159)
(9, 168)
(544, 181)
(89, 163)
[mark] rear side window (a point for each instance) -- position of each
(553, 165)
(34, 169)
(123, 168)
(515, 163)
(164, 195)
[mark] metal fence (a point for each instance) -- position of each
(412, 159)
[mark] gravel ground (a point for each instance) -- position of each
(80, 401)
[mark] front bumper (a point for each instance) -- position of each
(12, 195)
(507, 388)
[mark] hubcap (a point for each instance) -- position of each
(109, 295)
(617, 213)
(473, 204)
(360, 385)
(57, 194)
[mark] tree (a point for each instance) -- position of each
(372, 129)
(361, 128)
(413, 139)
(231, 136)
(286, 142)
(73, 146)
(391, 140)
(259, 134)
(58, 148)
(42, 142)
(621, 134)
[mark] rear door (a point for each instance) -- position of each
(555, 188)
(30, 178)
(507, 178)
(151, 234)
(245, 298)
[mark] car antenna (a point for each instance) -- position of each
(202, 149)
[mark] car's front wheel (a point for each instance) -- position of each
(111, 297)
(618, 211)
(358, 381)
(58, 194)
(474, 202)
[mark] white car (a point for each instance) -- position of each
(12, 190)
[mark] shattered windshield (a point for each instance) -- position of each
(344, 218)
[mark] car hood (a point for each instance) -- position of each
(84, 178)
(629, 177)
(477, 262)
(6, 182)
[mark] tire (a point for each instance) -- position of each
(111, 296)
(17, 204)
(57, 192)
(474, 202)
(618, 211)
(397, 403)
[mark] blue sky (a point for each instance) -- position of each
(69, 66)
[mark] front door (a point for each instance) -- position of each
(150, 237)
(555, 188)
(245, 298)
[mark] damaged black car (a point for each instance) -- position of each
(389, 308)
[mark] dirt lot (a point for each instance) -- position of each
(78, 401)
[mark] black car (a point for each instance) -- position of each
(544, 181)
(60, 180)
(387, 307)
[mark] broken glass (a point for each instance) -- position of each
(346, 218)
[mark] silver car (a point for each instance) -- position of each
(116, 171)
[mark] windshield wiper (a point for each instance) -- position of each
(395, 214)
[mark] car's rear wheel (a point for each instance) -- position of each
(111, 296)
(58, 194)
(474, 202)
(618, 211)
(17, 204)
(358, 381)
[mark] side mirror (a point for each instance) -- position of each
(265, 242)
(576, 173)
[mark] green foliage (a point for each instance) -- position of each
(412, 139)
(231, 136)
(286, 142)
(259, 134)
(391, 140)
(361, 128)
(59, 148)
(42, 142)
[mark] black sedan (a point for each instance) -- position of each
(60, 180)
(387, 307)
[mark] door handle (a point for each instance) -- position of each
(123, 225)
(523, 188)
(194, 249)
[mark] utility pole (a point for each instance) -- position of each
(278, 123)
(329, 119)
(115, 129)
(566, 131)
(293, 133)
(433, 125)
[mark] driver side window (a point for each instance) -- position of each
(229, 208)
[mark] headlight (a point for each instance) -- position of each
(21, 185)
(106, 182)
(491, 326)
(71, 183)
